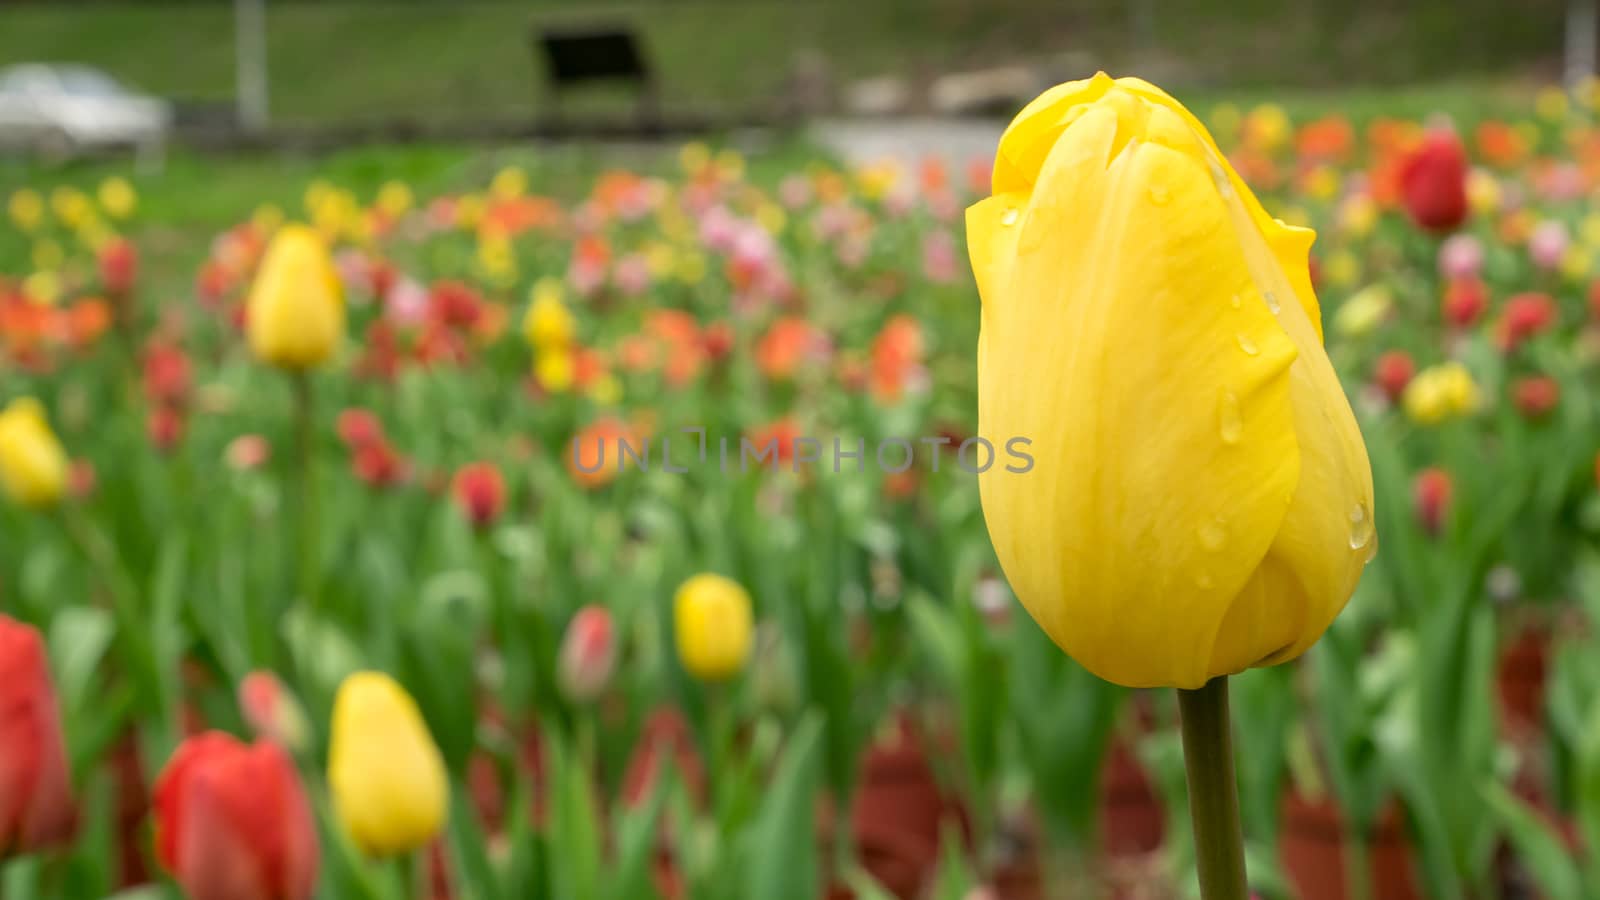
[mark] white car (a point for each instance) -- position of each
(63, 110)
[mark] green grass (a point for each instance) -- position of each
(347, 61)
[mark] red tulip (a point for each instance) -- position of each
(247, 451)
(1430, 495)
(588, 654)
(272, 711)
(1526, 315)
(1465, 299)
(1393, 372)
(119, 267)
(1433, 182)
(377, 465)
(1536, 395)
(480, 491)
(233, 823)
(36, 808)
(166, 374)
(358, 428)
(165, 428)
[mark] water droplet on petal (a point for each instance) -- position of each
(1203, 581)
(1213, 535)
(1229, 425)
(1159, 195)
(1009, 217)
(1272, 301)
(1247, 345)
(1361, 527)
(1224, 183)
(1235, 301)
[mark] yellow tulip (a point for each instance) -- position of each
(713, 625)
(26, 209)
(509, 183)
(548, 323)
(1363, 312)
(1342, 269)
(70, 205)
(554, 370)
(1441, 392)
(694, 156)
(1483, 192)
(1551, 103)
(394, 198)
(1358, 215)
(390, 791)
(1200, 500)
(1268, 126)
(33, 467)
(42, 288)
(117, 197)
(295, 313)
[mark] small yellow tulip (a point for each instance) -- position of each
(1342, 269)
(509, 183)
(713, 625)
(694, 156)
(70, 206)
(33, 467)
(1200, 500)
(1358, 215)
(1441, 392)
(1363, 312)
(1551, 103)
(42, 288)
(390, 791)
(117, 197)
(554, 369)
(394, 198)
(26, 209)
(1483, 192)
(548, 323)
(294, 317)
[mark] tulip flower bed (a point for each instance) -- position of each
(623, 540)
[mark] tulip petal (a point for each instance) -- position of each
(1165, 442)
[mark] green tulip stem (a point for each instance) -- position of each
(1213, 796)
(304, 463)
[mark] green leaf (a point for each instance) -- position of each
(1539, 848)
(783, 858)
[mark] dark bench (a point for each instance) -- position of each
(581, 55)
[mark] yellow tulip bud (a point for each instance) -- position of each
(1441, 392)
(42, 288)
(26, 209)
(694, 156)
(1551, 103)
(1363, 312)
(394, 198)
(554, 369)
(1200, 499)
(712, 620)
(548, 323)
(33, 467)
(509, 183)
(117, 197)
(1358, 215)
(1342, 269)
(1483, 192)
(294, 317)
(390, 791)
